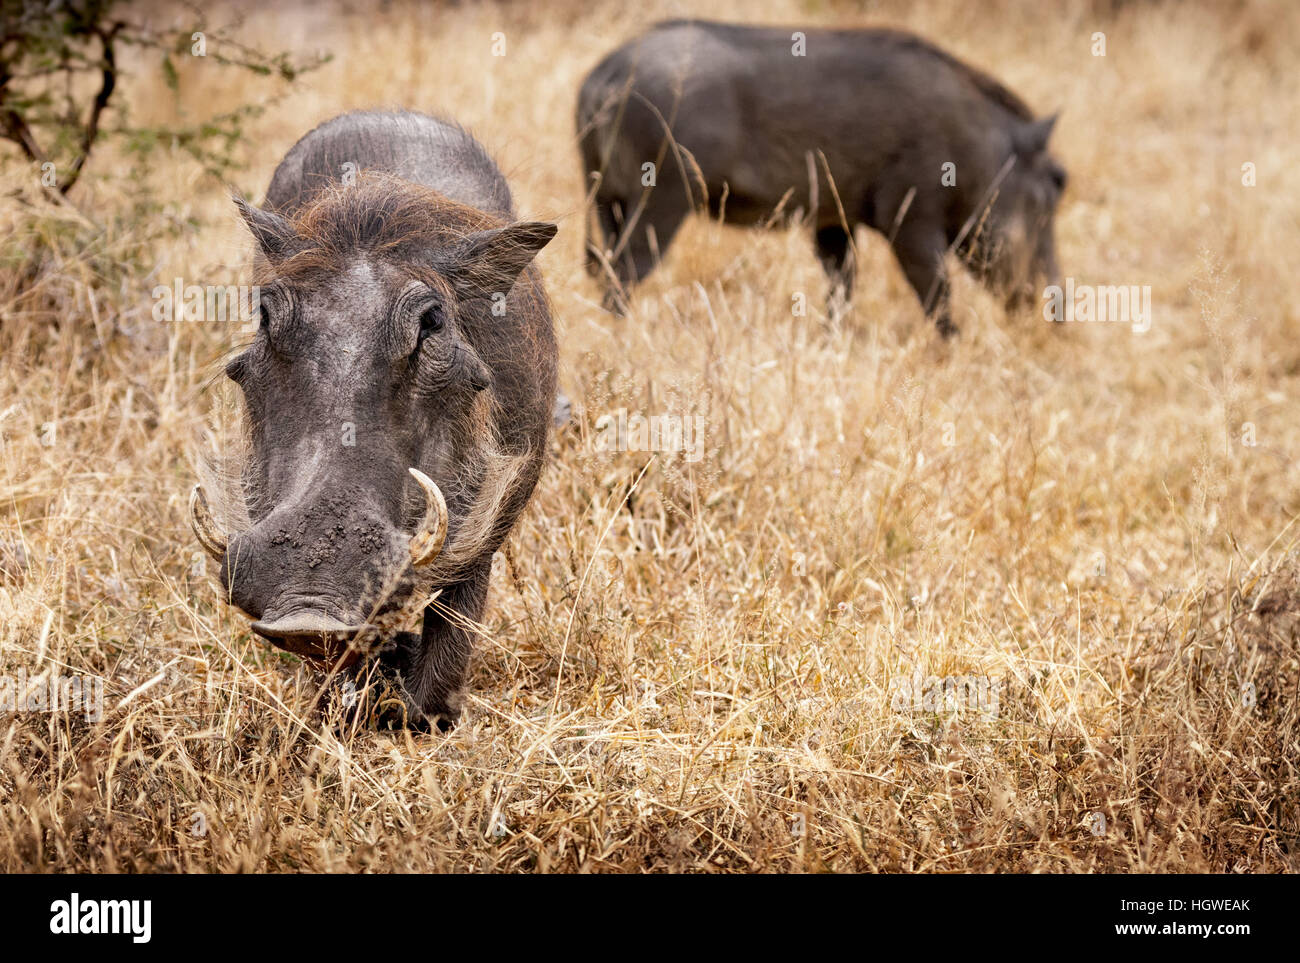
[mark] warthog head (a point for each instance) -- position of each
(1013, 249)
(365, 381)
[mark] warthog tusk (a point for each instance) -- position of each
(426, 543)
(205, 527)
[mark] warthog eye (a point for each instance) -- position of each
(430, 320)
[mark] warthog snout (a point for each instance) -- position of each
(312, 573)
(315, 569)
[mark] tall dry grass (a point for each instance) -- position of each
(692, 665)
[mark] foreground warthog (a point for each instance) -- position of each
(871, 127)
(405, 353)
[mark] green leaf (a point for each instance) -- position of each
(170, 75)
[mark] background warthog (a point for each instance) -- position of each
(402, 327)
(854, 126)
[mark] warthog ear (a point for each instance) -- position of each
(489, 262)
(1032, 138)
(273, 233)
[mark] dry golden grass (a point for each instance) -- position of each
(688, 666)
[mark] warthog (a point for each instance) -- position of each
(397, 399)
(842, 127)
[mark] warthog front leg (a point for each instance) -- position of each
(643, 239)
(920, 250)
(428, 670)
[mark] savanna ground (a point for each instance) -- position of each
(692, 665)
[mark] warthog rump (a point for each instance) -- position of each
(397, 398)
(845, 127)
